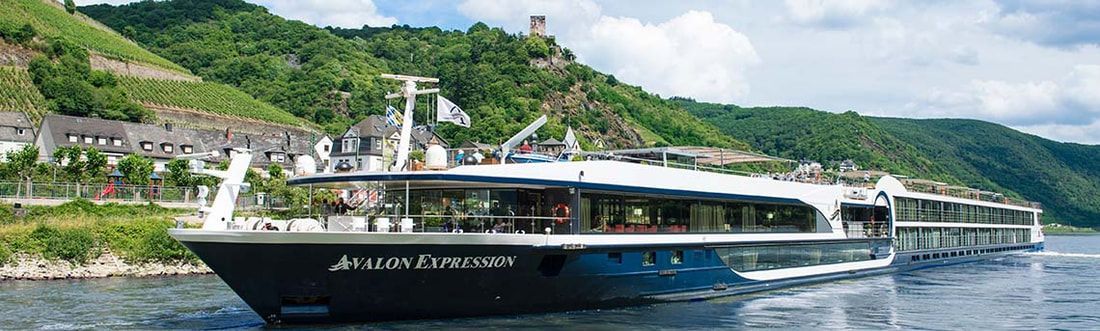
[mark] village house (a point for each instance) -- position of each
(363, 145)
(162, 143)
(16, 131)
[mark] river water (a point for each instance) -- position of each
(1056, 289)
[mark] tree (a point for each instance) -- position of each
(178, 173)
(94, 164)
(70, 6)
(22, 162)
(71, 161)
(136, 169)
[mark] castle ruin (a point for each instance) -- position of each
(538, 26)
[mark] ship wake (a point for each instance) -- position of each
(1060, 254)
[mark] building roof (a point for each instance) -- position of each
(134, 134)
(60, 127)
(10, 125)
(476, 145)
(551, 142)
(160, 135)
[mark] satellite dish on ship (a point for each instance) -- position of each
(305, 165)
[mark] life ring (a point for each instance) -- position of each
(562, 219)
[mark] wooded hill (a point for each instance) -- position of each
(502, 80)
(1065, 177)
(67, 63)
(330, 77)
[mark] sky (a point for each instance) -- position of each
(1030, 65)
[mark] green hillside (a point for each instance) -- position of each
(331, 76)
(1064, 177)
(50, 20)
(17, 93)
(205, 96)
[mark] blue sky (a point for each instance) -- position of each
(1030, 65)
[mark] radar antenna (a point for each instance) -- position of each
(409, 91)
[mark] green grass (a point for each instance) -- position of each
(205, 96)
(18, 93)
(53, 22)
(1067, 229)
(79, 231)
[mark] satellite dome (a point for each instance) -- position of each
(343, 166)
(305, 165)
(435, 158)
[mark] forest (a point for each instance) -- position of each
(1064, 177)
(330, 76)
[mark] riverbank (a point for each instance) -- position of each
(80, 239)
(1056, 228)
(30, 267)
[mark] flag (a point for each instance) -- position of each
(447, 111)
(394, 116)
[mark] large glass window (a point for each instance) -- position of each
(919, 210)
(767, 257)
(612, 213)
(507, 210)
(921, 238)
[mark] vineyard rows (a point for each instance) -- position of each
(205, 96)
(18, 93)
(52, 21)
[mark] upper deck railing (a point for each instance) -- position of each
(799, 177)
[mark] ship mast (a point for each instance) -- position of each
(409, 91)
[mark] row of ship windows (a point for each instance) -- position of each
(968, 252)
(919, 210)
(145, 145)
(768, 257)
(921, 238)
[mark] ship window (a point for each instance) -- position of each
(754, 258)
(636, 214)
(615, 257)
(649, 258)
(677, 257)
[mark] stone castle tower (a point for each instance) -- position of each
(538, 25)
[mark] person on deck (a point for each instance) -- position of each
(342, 208)
(478, 156)
(460, 157)
(525, 148)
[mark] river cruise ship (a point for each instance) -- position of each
(609, 231)
(536, 237)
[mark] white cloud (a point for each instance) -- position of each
(1071, 101)
(689, 55)
(832, 13)
(341, 13)
(1079, 133)
(1053, 23)
(513, 14)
